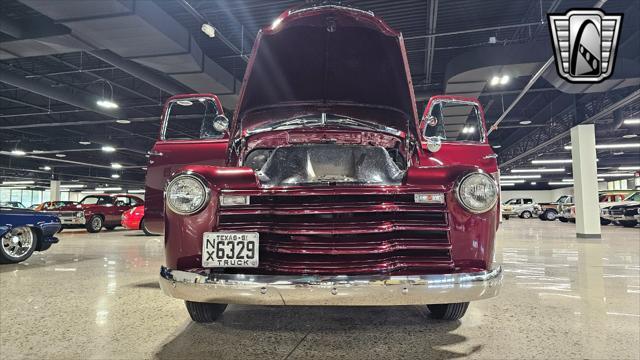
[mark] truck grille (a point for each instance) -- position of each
(344, 234)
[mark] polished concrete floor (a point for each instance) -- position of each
(95, 296)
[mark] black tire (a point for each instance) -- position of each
(204, 312)
(550, 215)
(453, 311)
(563, 219)
(95, 223)
(542, 217)
(144, 229)
(628, 223)
(604, 221)
(506, 217)
(5, 258)
(110, 228)
(573, 221)
(525, 214)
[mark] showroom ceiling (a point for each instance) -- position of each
(56, 58)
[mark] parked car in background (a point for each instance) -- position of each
(103, 210)
(623, 213)
(25, 231)
(327, 188)
(551, 211)
(69, 218)
(605, 199)
(12, 204)
(133, 219)
(521, 207)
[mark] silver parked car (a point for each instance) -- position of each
(522, 207)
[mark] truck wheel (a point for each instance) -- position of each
(506, 217)
(95, 224)
(144, 228)
(628, 223)
(525, 215)
(542, 217)
(604, 221)
(204, 312)
(453, 311)
(563, 219)
(17, 245)
(550, 215)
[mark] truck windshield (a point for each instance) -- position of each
(455, 121)
(633, 197)
(96, 200)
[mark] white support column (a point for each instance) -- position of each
(585, 180)
(54, 190)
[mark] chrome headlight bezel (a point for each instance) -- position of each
(203, 184)
(458, 192)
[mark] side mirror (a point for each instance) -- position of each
(221, 123)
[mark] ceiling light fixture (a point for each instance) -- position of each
(72, 186)
(558, 183)
(504, 79)
(209, 30)
(139, 191)
(552, 161)
(116, 166)
(619, 174)
(630, 136)
(632, 122)
(496, 146)
(17, 152)
(507, 184)
(20, 182)
(84, 142)
(115, 176)
(109, 189)
(515, 181)
(108, 149)
(537, 170)
(46, 168)
(494, 81)
(61, 155)
(612, 146)
(107, 104)
(534, 183)
(123, 121)
(537, 176)
(618, 153)
(525, 122)
(629, 167)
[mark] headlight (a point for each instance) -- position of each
(477, 192)
(186, 194)
(79, 214)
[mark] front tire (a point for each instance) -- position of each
(525, 215)
(204, 312)
(563, 219)
(95, 224)
(628, 223)
(550, 215)
(18, 245)
(146, 231)
(604, 221)
(453, 311)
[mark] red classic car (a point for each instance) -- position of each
(98, 211)
(133, 219)
(327, 189)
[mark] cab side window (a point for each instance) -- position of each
(190, 119)
(122, 201)
(528, 201)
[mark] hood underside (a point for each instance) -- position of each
(328, 56)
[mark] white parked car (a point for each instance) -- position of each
(521, 207)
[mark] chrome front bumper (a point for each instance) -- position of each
(338, 290)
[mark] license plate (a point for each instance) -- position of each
(230, 249)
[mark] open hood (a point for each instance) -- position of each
(330, 58)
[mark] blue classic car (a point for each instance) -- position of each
(25, 231)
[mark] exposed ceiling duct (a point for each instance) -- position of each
(135, 30)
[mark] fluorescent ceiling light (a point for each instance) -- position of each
(61, 155)
(515, 181)
(629, 167)
(72, 186)
(618, 153)
(534, 183)
(525, 122)
(138, 191)
(552, 161)
(632, 122)
(507, 184)
(537, 176)
(559, 183)
(107, 104)
(611, 146)
(108, 149)
(84, 142)
(537, 170)
(620, 174)
(123, 121)
(496, 146)
(109, 189)
(46, 168)
(17, 152)
(567, 180)
(629, 136)
(115, 176)
(494, 81)
(20, 182)
(116, 166)
(504, 79)
(208, 29)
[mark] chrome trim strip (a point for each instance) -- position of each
(326, 290)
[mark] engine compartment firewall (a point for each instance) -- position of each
(328, 164)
